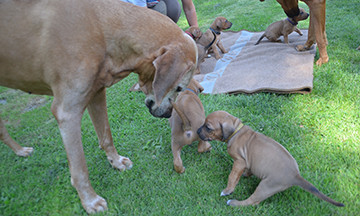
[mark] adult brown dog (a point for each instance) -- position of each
(316, 27)
(187, 117)
(73, 50)
(211, 38)
(283, 28)
(256, 154)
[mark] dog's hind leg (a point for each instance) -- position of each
(265, 189)
(5, 137)
(176, 150)
(98, 113)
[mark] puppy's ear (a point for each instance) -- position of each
(171, 68)
(226, 129)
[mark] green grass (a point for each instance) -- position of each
(321, 130)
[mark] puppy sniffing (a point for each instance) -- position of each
(187, 116)
(211, 38)
(255, 153)
(284, 28)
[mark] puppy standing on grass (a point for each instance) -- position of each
(187, 117)
(211, 38)
(256, 154)
(284, 28)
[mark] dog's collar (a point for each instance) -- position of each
(237, 130)
(214, 31)
(294, 23)
(191, 35)
(189, 89)
(212, 42)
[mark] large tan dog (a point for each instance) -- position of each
(211, 38)
(316, 27)
(283, 28)
(255, 153)
(73, 50)
(187, 117)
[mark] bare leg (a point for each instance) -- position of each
(5, 137)
(98, 113)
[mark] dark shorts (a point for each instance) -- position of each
(170, 8)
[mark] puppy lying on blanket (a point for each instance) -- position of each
(211, 38)
(284, 28)
(187, 117)
(256, 154)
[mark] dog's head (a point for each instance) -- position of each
(194, 32)
(302, 15)
(218, 125)
(167, 73)
(195, 86)
(221, 23)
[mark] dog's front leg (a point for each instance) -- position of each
(221, 47)
(98, 113)
(216, 51)
(234, 177)
(298, 31)
(317, 29)
(68, 108)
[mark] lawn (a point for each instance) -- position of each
(321, 130)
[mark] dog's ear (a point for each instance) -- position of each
(171, 69)
(226, 129)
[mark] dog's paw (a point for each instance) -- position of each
(226, 192)
(179, 169)
(228, 202)
(24, 151)
(121, 163)
(204, 146)
(321, 61)
(98, 204)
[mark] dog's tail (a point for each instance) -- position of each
(262, 36)
(300, 181)
(184, 119)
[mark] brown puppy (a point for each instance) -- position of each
(73, 50)
(283, 28)
(317, 32)
(211, 38)
(256, 154)
(187, 117)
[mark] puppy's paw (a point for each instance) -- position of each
(24, 151)
(98, 204)
(204, 146)
(179, 169)
(228, 202)
(121, 163)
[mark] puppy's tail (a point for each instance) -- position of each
(184, 119)
(262, 36)
(300, 181)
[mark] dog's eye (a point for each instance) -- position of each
(179, 89)
(207, 128)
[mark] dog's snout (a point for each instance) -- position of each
(149, 103)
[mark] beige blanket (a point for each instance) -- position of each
(267, 67)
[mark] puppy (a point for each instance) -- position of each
(187, 117)
(284, 28)
(211, 38)
(256, 154)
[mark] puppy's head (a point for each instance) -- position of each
(194, 32)
(302, 15)
(218, 125)
(195, 86)
(221, 23)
